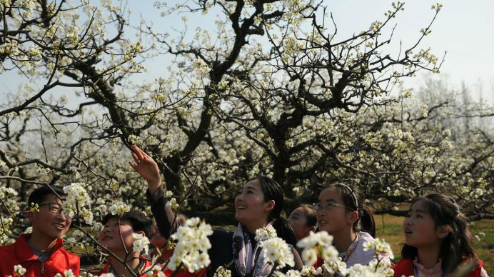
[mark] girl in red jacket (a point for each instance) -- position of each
(437, 240)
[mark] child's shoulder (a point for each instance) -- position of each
(403, 267)
(68, 253)
(364, 236)
(478, 270)
(6, 249)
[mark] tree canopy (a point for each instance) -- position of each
(273, 90)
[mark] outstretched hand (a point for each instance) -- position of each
(146, 167)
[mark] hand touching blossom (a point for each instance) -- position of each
(146, 167)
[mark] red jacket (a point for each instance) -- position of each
(106, 269)
(405, 267)
(20, 253)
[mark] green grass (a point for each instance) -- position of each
(390, 228)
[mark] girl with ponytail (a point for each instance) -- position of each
(342, 213)
(273, 192)
(437, 241)
(258, 205)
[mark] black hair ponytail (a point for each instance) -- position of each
(367, 223)
(284, 230)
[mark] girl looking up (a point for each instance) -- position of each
(342, 214)
(258, 205)
(303, 221)
(437, 240)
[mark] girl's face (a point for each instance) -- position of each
(332, 215)
(250, 207)
(110, 235)
(298, 221)
(419, 227)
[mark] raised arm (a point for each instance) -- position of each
(148, 169)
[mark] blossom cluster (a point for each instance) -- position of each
(78, 202)
(317, 245)
(5, 229)
(19, 271)
(310, 271)
(373, 269)
(172, 201)
(381, 248)
(277, 251)
(156, 271)
(141, 243)
(222, 272)
(7, 198)
(192, 245)
(119, 208)
(265, 233)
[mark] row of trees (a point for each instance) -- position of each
(272, 90)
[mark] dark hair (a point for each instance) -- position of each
(457, 246)
(310, 215)
(273, 191)
(354, 202)
(138, 220)
(180, 220)
(39, 195)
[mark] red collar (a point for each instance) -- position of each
(24, 252)
(106, 269)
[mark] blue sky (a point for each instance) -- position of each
(465, 29)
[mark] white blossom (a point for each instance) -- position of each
(78, 200)
(119, 208)
(68, 273)
(317, 244)
(310, 271)
(265, 233)
(141, 243)
(222, 272)
(19, 270)
(156, 271)
(192, 245)
(277, 251)
(380, 246)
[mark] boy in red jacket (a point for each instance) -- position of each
(40, 253)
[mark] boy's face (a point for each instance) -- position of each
(50, 222)
(110, 235)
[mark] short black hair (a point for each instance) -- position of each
(138, 220)
(39, 195)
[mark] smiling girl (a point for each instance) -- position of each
(437, 240)
(258, 205)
